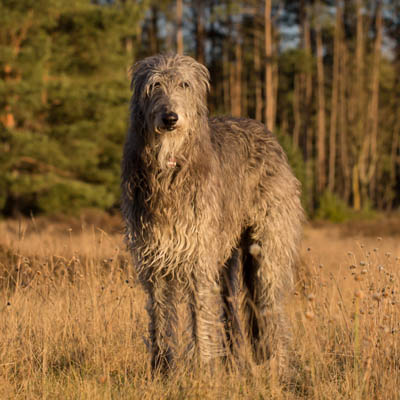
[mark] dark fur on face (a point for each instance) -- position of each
(213, 216)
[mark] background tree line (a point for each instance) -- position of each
(324, 75)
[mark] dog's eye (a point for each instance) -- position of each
(155, 85)
(184, 85)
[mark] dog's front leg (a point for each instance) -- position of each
(162, 309)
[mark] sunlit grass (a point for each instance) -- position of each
(73, 321)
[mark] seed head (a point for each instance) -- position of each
(359, 294)
(311, 297)
(376, 296)
(309, 315)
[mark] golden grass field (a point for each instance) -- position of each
(73, 320)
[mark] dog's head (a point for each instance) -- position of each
(170, 92)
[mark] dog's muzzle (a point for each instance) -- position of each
(169, 120)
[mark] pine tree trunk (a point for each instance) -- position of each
(306, 84)
(296, 110)
(343, 125)
(321, 129)
(357, 106)
(179, 34)
(275, 81)
(269, 94)
(257, 73)
(200, 32)
(154, 31)
(333, 119)
(226, 79)
(374, 105)
(238, 78)
(307, 131)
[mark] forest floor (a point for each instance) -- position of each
(73, 321)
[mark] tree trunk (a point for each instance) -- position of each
(306, 82)
(307, 131)
(154, 30)
(200, 32)
(275, 80)
(226, 79)
(343, 126)
(357, 102)
(257, 73)
(333, 120)
(179, 34)
(238, 78)
(321, 129)
(269, 94)
(296, 111)
(374, 104)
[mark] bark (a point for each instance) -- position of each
(333, 119)
(296, 110)
(257, 71)
(179, 34)
(275, 80)
(269, 94)
(357, 106)
(307, 92)
(368, 175)
(238, 78)
(343, 126)
(226, 79)
(306, 80)
(200, 31)
(321, 130)
(154, 30)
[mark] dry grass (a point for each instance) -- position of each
(73, 320)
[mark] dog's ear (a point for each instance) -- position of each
(136, 73)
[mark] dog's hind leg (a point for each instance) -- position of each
(269, 278)
(233, 295)
(208, 317)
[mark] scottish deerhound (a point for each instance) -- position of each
(212, 211)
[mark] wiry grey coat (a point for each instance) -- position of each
(212, 211)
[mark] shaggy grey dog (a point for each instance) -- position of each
(213, 216)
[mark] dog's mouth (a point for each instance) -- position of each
(171, 162)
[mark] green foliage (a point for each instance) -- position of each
(77, 194)
(63, 77)
(334, 209)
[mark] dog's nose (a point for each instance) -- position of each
(170, 119)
